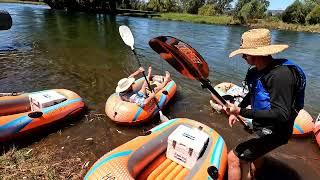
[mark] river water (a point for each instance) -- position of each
(84, 53)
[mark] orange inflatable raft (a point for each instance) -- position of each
(123, 112)
(144, 157)
(14, 110)
(316, 130)
(303, 124)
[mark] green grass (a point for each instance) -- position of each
(228, 20)
(22, 2)
(285, 26)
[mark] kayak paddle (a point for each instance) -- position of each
(187, 61)
(128, 39)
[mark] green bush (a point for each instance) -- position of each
(314, 16)
(207, 10)
(295, 13)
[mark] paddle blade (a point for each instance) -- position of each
(126, 36)
(181, 56)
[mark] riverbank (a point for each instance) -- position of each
(223, 20)
(229, 20)
(22, 2)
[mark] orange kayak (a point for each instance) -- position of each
(123, 112)
(145, 157)
(14, 110)
(303, 124)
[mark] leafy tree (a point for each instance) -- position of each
(314, 16)
(295, 13)
(239, 5)
(163, 5)
(207, 10)
(220, 5)
(192, 6)
(250, 10)
(311, 4)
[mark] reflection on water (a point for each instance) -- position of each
(84, 53)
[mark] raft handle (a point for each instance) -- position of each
(165, 92)
(213, 172)
(35, 114)
(146, 133)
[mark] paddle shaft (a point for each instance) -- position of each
(145, 77)
(220, 99)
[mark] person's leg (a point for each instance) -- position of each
(255, 167)
(234, 166)
(252, 150)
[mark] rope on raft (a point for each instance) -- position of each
(11, 94)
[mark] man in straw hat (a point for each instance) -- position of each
(127, 93)
(276, 94)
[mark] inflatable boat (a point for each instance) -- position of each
(124, 112)
(145, 157)
(316, 130)
(17, 118)
(303, 124)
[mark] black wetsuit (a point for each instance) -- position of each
(280, 82)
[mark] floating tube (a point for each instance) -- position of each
(144, 157)
(303, 124)
(124, 112)
(14, 110)
(316, 130)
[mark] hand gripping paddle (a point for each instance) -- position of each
(188, 62)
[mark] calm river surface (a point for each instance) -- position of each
(84, 53)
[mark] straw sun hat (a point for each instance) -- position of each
(124, 84)
(257, 42)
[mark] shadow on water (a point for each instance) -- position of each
(275, 169)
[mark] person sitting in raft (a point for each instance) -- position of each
(144, 95)
(276, 95)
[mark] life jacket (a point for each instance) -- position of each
(260, 98)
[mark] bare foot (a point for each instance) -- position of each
(168, 76)
(149, 73)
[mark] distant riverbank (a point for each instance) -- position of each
(22, 2)
(229, 20)
(222, 20)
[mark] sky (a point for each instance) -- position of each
(279, 4)
(275, 4)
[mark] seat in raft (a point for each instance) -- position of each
(14, 110)
(303, 124)
(123, 112)
(144, 157)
